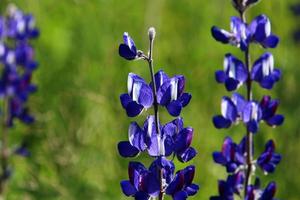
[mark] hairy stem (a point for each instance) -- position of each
(4, 147)
(249, 136)
(156, 111)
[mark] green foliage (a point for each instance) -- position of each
(80, 119)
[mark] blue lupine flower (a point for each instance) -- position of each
(260, 29)
(182, 185)
(17, 109)
(24, 54)
(20, 26)
(234, 74)
(254, 193)
(22, 150)
(225, 191)
(233, 184)
(171, 93)
(269, 108)
(269, 159)
(231, 155)
(174, 139)
(238, 36)
(177, 140)
(139, 95)
(263, 71)
(144, 183)
(252, 115)
(128, 49)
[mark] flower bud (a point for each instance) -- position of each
(151, 33)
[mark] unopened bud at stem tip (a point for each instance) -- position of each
(151, 33)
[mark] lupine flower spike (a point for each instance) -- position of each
(18, 62)
(159, 141)
(238, 159)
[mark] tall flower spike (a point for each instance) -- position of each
(157, 140)
(17, 59)
(239, 158)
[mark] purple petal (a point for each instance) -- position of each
(125, 100)
(133, 109)
(219, 158)
(160, 78)
(276, 120)
(176, 184)
(269, 192)
(127, 150)
(271, 42)
(181, 195)
(221, 35)
(125, 52)
(145, 96)
(231, 84)
(228, 109)
(127, 188)
(252, 126)
(220, 76)
(137, 136)
(184, 139)
(220, 122)
(174, 108)
(184, 99)
(189, 173)
(191, 189)
(187, 155)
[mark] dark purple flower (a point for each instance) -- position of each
(264, 73)
(225, 191)
(139, 96)
(238, 36)
(252, 114)
(260, 29)
(269, 159)
(22, 150)
(182, 185)
(20, 26)
(178, 139)
(253, 192)
(234, 74)
(25, 56)
(231, 155)
(17, 109)
(144, 183)
(269, 108)
(128, 49)
(171, 93)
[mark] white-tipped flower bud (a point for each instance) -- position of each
(151, 33)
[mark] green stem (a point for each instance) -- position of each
(4, 147)
(249, 136)
(156, 111)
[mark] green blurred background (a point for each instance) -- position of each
(79, 116)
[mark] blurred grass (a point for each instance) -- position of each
(80, 119)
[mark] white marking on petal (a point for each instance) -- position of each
(268, 28)
(21, 26)
(129, 83)
(224, 106)
(132, 129)
(136, 91)
(232, 73)
(268, 65)
(10, 59)
(174, 88)
(2, 49)
(150, 126)
(254, 111)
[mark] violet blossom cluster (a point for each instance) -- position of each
(162, 142)
(18, 63)
(237, 158)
